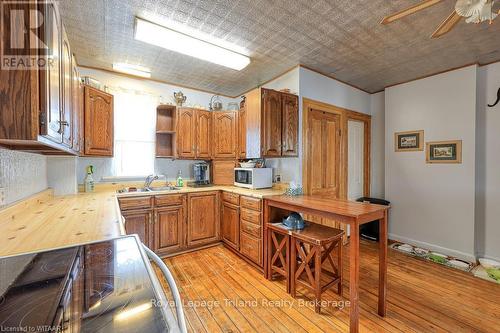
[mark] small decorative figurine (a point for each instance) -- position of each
(179, 98)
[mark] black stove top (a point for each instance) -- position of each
(99, 287)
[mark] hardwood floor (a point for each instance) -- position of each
(224, 294)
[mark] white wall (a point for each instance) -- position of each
(488, 163)
(22, 174)
(377, 110)
(433, 204)
(61, 172)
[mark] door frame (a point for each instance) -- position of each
(345, 116)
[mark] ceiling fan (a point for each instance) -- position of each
(474, 11)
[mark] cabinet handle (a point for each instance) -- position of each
(63, 123)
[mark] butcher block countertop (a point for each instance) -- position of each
(45, 221)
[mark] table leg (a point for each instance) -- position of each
(382, 265)
(265, 249)
(354, 278)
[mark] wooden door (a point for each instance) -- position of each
(242, 133)
(271, 123)
(168, 229)
(66, 85)
(323, 154)
(50, 79)
(186, 133)
(139, 222)
(225, 134)
(290, 125)
(203, 218)
(230, 225)
(77, 98)
(98, 122)
(203, 134)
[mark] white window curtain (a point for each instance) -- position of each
(135, 121)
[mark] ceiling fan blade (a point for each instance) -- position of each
(447, 25)
(408, 11)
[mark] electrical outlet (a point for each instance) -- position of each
(2, 196)
(277, 178)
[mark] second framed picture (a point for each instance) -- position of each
(444, 152)
(409, 141)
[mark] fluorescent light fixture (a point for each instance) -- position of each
(161, 36)
(132, 69)
(132, 312)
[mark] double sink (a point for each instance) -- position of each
(148, 189)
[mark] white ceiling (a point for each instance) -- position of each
(342, 38)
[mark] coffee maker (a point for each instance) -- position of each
(201, 171)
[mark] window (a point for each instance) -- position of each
(135, 121)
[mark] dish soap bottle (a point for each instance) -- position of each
(180, 182)
(89, 180)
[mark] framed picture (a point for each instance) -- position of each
(409, 141)
(444, 152)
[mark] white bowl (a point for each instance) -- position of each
(488, 263)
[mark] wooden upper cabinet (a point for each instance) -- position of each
(66, 127)
(230, 225)
(50, 78)
(203, 134)
(98, 122)
(271, 123)
(242, 133)
(77, 97)
(203, 218)
(169, 229)
(290, 125)
(186, 135)
(225, 134)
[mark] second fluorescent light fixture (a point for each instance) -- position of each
(179, 42)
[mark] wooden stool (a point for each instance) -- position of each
(310, 249)
(278, 252)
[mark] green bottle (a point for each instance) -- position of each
(89, 180)
(180, 182)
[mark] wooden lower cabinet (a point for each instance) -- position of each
(169, 230)
(139, 222)
(251, 247)
(230, 225)
(203, 218)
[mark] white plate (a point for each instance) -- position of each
(458, 264)
(405, 247)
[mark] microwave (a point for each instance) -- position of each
(253, 178)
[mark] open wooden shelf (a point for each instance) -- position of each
(166, 125)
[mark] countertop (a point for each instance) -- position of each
(45, 221)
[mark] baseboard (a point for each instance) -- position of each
(432, 247)
(482, 255)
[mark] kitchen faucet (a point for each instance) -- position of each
(149, 180)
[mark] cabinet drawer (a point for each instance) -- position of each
(170, 200)
(251, 203)
(251, 216)
(251, 248)
(250, 228)
(231, 198)
(135, 203)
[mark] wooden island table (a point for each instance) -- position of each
(346, 212)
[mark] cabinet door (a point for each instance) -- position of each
(168, 229)
(186, 133)
(139, 222)
(225, 134)
(290, 125)
(203, 218)
(251, 247)
(271, 123)
(203, 134)
(230, 225)
(67, 110)
(77, 98)
(50, 79)
(98, 122)
(242, 134)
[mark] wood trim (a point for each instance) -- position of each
(459, 152)
(345, 116)
(155, 80)
(420, 145)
